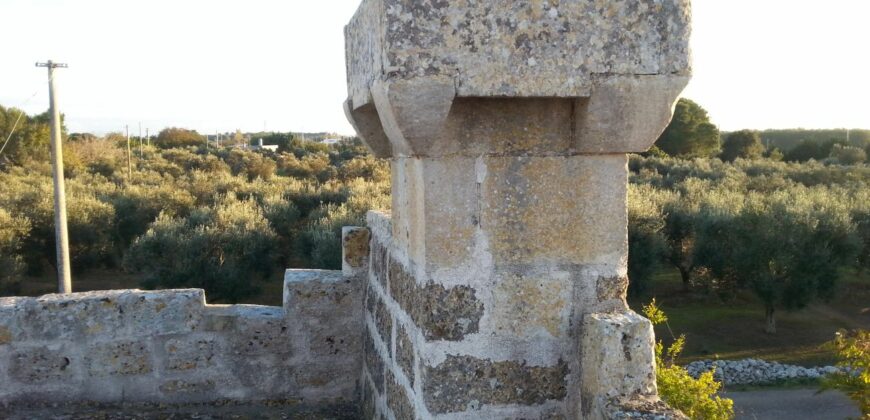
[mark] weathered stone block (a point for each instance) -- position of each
(639, 407)
(382, 317)
(310, 301)
(367, 399)
(314, 294)
(617, 359)
(451, 213)
(34, 365)
(374, 360)
(380, 260)
(614, 93)
(442, 313)
(114, 313)
(11, 309)
(175, 387)
(262, 336)
(531, 217)
(190, 353)
(531, 302)
(405, 353)
(124, 357)
(159, 312)
(524, 49)
(462, 382)
(397, 399)
(355, 248)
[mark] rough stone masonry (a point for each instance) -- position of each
(168, 347)
(497, 284)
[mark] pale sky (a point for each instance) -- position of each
(215, 65)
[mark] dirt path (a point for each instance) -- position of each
(792, 404)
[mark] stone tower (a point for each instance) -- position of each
(497, 283)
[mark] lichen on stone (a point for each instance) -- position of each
(460, 380)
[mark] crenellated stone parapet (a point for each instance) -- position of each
(171, 348)
(498, 280)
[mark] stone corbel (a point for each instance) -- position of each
(626, 113)
(367, 124)
(413, 112)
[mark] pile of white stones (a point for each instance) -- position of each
(756, 372)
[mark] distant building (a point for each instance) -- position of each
(331, 141)
(261, 146)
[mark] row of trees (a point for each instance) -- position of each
(691, 134)
(219, 219)
(188, 216)
(783, 231)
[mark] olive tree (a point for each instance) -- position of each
(787, 247)
(221, 249)
(743, 144)
(646, 244)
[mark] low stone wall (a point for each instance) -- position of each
(134, 346)
(757, 372)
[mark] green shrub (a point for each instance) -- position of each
(91, 228)
(12, 232)
(284, 218)
(853, 350)
(696, 398)
(848, 155)
(320, 241)
(251, 164)
(136, 207)
(221, 249)
(646, 243)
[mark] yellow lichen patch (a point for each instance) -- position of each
(160, 306)
(5, 336)
(356, 247)
(94, 329)
(524, 304)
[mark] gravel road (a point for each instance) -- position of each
(792, 404)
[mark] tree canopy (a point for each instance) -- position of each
(744, 144)
(690, 133)
(178, 137)
(31, 138)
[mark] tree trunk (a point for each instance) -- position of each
(771, 321)
(686, 275)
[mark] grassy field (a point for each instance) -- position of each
(735, 329)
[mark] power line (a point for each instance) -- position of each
(21, 114)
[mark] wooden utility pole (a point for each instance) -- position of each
(64, 275)
(129, 156)
(148, 136)
(140, 140)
